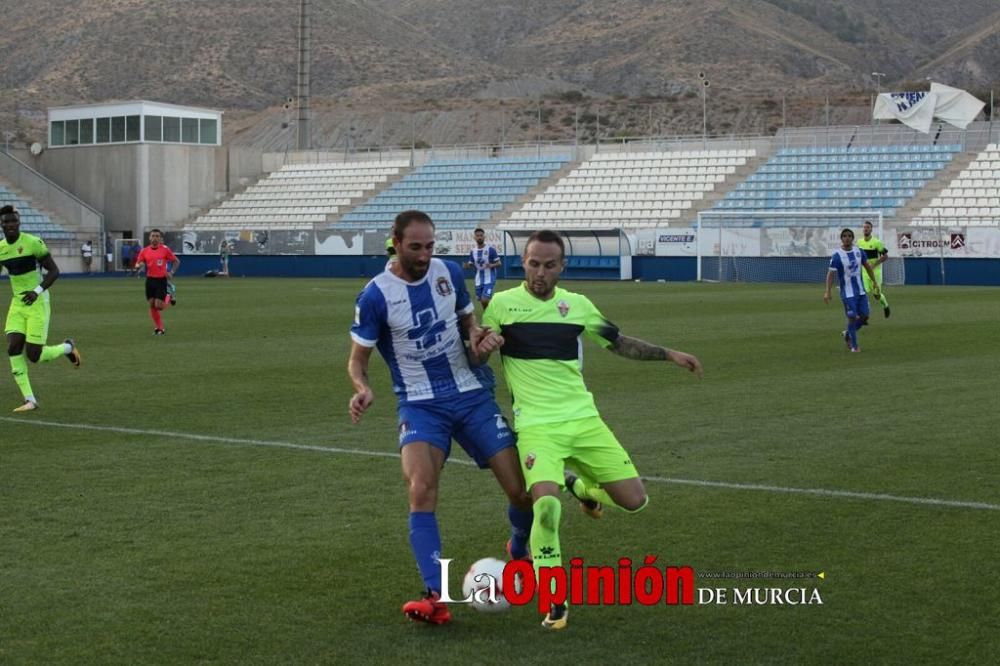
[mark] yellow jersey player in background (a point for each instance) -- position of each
(27, 326)
(877, 255)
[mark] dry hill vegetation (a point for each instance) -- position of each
(460, 62)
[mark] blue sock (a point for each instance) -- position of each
(520, 530)
(852, 333)
(425, 540)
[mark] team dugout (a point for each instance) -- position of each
(133, 122)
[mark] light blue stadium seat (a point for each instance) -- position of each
(459, 193)
(879, 177)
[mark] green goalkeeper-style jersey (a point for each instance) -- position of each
(542, 353)
(22, 259)
(872, 248)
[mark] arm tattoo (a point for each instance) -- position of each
(638, 350)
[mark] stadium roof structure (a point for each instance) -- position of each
(138, 121)
(131, 104)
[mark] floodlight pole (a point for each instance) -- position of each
(304, 79)
(704, 115)
(704, 109)
(878, 76)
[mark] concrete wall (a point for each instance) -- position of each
(245, 165)
(50, 196)
(102, 177)
(138, 186)
(182, 180)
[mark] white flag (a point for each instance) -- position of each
(914, 109)
(955, 106)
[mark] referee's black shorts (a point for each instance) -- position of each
(156, 288)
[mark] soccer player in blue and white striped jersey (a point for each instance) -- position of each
(485, 259)
(846, 263)
(416, 314)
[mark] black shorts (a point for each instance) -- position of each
(156, 288)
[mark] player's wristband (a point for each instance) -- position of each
(39, 289)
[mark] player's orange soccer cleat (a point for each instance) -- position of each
(429, 609)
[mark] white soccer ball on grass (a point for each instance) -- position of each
(484, 582)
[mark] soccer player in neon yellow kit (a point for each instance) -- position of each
(27, 326)
(537, 327)
(877, 255)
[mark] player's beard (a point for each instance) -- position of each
(540, 288)
(414, 269)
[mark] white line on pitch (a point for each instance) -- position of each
(822, 492)
(203, 438)
(819, 492)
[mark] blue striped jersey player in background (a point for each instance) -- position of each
(416, 313)
(486, 260)
(846, 263)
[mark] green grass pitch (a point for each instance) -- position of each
(220, 507)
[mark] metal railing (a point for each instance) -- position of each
(974, 138)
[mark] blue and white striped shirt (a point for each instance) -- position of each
(481, 258)
(415, 326)
(848, 264)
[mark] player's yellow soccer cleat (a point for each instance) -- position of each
(28, 406)
(74, 354)
(557, 617)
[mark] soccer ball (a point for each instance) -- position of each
(484, 581)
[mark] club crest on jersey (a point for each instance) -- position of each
(20, 250)
(443, 286)
(563, 308)
(529, 460)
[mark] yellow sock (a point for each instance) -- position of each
(19, 368)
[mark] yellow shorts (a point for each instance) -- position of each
(867, 281)
(32, 321)
(586, 445)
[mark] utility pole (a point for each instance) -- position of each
(305, 78)
(704, 109)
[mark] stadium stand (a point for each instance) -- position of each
(840, 178)
(300, 195)
(972, 197)
(629, 190)
(34, 221)
(457, 193)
